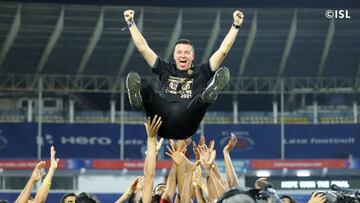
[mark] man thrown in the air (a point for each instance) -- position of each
(186, 90)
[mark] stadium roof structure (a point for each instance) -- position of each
(83, 47)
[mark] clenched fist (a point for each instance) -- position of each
(238, 17)
(129, 16)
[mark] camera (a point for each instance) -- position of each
(340, 196)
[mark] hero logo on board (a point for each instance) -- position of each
(80, 140)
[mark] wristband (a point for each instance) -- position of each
(236, 26)
(130, 23)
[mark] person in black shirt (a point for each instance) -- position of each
(186, 90)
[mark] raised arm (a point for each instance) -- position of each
(152, 128)
(215, 168)
(201, 190)
(170, 185)
(131, 189)
(139, 41)
(229, 168)
(43, 191)
(219, 186)
(181, 147)
(184, 167)
(35, 177)
(208, 161)
(219, 55)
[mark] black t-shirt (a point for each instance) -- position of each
(177, 85)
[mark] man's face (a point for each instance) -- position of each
(183, 56)
(70, 199)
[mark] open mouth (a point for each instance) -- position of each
(182, 63)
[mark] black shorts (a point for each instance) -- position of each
(180, 120)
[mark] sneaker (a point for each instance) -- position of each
(218, 82)
(133, 83)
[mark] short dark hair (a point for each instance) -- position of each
(156, 199)
(184, 41)
(236, 195)
(67, 195)
(86, 198)
(132, 198)
(292, 200)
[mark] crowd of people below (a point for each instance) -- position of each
(187, 180)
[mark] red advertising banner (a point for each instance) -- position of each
(26, 164)
(81, 163)
(130, 165)
(166, 164)
(299, 164)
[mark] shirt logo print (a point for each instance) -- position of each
(180, 86)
